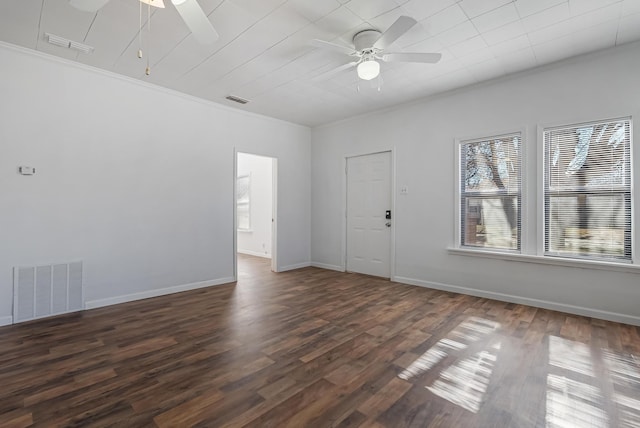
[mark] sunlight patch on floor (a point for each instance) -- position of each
(570, 355)
(573, 404)
(467, 332)
(466, 382)
(625, 374)
(576, 396)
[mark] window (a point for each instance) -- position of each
(490, 192)
(243, 192)
(587, 191)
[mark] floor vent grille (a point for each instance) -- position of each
(43, 291)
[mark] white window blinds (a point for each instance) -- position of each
(587, 190)
(490, 193)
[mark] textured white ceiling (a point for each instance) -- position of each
(264, 55)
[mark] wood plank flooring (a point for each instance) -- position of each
(316, 348)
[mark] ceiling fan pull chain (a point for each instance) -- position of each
(140, 31)
(148, 70)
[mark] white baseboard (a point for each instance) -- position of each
(92, 304)
(545, 304)
(255, 253)
(327, 266)
(8, 320)
(296, 266)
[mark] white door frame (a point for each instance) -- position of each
(392, 249)
(274, 214)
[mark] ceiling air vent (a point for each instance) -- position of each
(236, 99)
(69, 44)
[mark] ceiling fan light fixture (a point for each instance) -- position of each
(154, 3)
(369, 69)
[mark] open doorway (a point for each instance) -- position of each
(256, 197)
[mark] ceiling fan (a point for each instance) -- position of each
(370, 45)
(190, 11)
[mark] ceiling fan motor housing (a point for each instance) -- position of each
(365, 39)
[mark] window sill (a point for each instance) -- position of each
(547, 260)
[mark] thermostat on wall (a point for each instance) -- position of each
(27, 170)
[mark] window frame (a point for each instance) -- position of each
(541, 200)
(532, 213)
(522, 207)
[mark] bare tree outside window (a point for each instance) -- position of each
(491, 192)
(588, 190)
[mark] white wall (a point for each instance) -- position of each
(134, 180)
(600, 86)
(257, 240)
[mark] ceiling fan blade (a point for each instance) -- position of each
(155, 3)
(88, 5)
(329, 74)
(332, 46)
(397, 29)
(195, 18)
(429, 58)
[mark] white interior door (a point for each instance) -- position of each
(368, 200)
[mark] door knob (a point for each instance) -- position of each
(388, 224)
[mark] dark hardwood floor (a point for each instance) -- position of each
(316, 348)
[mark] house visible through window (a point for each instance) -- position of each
(490, 193)
(587, 190)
